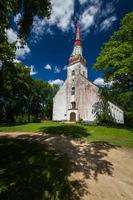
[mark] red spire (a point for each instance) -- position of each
(77, 41)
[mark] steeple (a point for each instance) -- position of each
(77, 40)
(77, 44)
(76, 55)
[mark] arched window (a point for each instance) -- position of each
(73, 91)
(73, 105)
(73, 72)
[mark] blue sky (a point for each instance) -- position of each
(51, 41)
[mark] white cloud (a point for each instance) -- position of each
(11, 35)
(88, 17)
(98, 15)
(57, 70)
(56, 82)
(62, 12)
(65, 68)
(17, 18)
(82, 2)
(107, 23)
(94, 11)
(38, 28)
(32, 70)
(48, 67)
(88, 1)
(21, 51)
(101, 83)
(109, 9)
(16, 61)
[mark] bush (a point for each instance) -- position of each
(129, 119)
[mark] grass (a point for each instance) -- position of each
(117, 135)
(29, 170)
(27, 127)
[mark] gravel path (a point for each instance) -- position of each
(100, 170)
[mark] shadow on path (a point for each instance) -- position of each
(39, 166)
(29, 171)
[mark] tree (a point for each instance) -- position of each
(101, 108)
(49, 105)
(40, 97)
(16, 83)
(116, 59)
(27, 8)
(23, 98)
(19, 93)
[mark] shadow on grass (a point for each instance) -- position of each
(12, 124)
(74, 131)
(45, 166)
(30, 172)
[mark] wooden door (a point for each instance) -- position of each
(72, 117)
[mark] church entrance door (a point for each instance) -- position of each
(72, 117)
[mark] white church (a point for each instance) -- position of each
(76, 98)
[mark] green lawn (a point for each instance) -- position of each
(120, 136)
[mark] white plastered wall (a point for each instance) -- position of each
(60, 104)
(117, 113)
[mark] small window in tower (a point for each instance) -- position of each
(73, 91)
(73, 72)
(73, 105)
(83, 73)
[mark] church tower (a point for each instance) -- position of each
(76, 60)
(76, 67)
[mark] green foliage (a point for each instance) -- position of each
(29, 171)
(116, 59)
(22, 96)
(102, 110)
(28, 9)
(129, 118)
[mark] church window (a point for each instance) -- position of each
(73, 105)
(73, 72)
(73, 91)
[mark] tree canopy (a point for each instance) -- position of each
(27, 9)
(116, 59)
(23, 98)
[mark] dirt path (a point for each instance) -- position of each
(100, 170)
